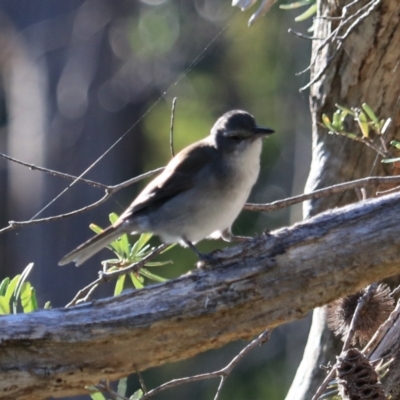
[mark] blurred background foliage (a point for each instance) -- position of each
(75, 75)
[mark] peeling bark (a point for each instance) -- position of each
(260, 284)
(366, 69)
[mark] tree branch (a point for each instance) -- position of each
(259, 284)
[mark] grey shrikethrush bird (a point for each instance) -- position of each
(199, 194)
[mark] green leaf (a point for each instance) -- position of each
(169, 248)
(113, 217)
(125, 246)
(47, 305)
(142, 252)
(96, 229)
(21, 280)
(343, 115)
(137, 395)
(11, 287)
(158, 263)
(143, 239)
(115, 245)
(136, 281)
(3, 286)
(296, 4)
(370, 113)
(122, 384)
(385, 125)
(348, 111)
(146, 273)
(363, 123)
(97, 396)
(119, 286)
(395, 143)
(121, 245)
(307, 14)
(4, 305)
(337, 121)
(390, 160)
(327, 122)
(28, 298)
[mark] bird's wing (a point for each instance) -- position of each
(178, 176)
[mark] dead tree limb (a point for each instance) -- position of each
(259, 284)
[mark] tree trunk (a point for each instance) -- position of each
(364, 70)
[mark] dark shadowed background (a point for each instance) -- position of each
(76, 75)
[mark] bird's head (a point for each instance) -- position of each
(237, 129)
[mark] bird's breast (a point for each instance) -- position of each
(245, 165)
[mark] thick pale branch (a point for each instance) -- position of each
(259, 284)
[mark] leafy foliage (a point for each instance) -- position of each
(128, 255)
(365, 117)
(18, 292)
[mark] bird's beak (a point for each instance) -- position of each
(259, 131)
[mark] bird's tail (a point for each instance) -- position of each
(92, 246)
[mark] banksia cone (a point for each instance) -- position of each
(340, 313)
(357, 378)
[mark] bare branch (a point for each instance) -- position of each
(34, 167)
(324, 384)
(302, 35)
(221, 373)
(110, 190)
(328, 191)
(319, 74)
(171, 128)
(362, 302)
(251, 289)
(116, 188)
(335, 36)
(375, 341)
(370, 7)
(17, 224)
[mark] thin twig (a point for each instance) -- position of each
(276, 205)
(110, 190)
(362, 301)
(302, 35)
(395, 292)
(334, 36)
(17, 224)
(84, 294)
(141, 381)
(320, 47)
(322, 70)
(104, 387)
(324, 384)
(221, 383)
(392, 190)
(382, 331)
(341, 187)
(372, 5)
(222, 373)
(49, 171)
(119, 186)
(171, 128)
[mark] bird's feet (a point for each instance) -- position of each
(205, 260)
